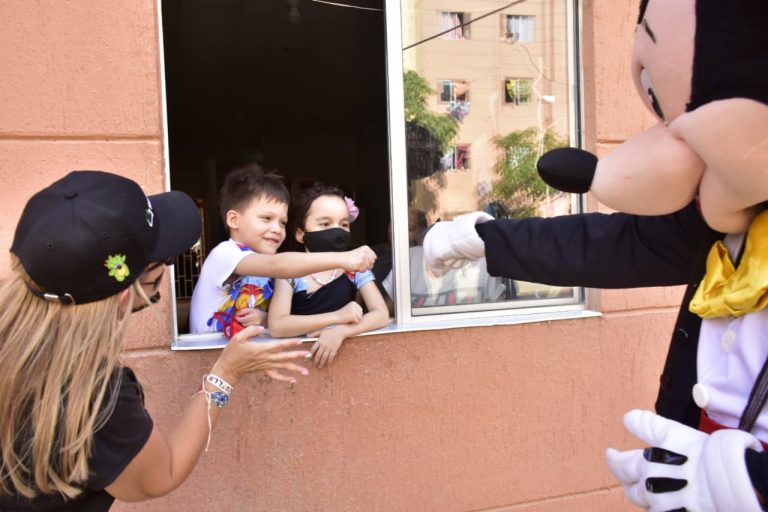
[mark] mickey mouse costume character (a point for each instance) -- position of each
(690, 192)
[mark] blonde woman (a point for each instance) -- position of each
(88, 251)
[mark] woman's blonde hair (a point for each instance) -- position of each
(56, 363)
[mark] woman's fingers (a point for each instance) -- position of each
(286, 356)
(295, 368)
(275, 375)
(249, 332)
(280, 347)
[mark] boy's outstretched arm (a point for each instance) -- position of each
(282, 323)
(297, 264)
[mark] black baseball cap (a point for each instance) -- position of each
(90, 235)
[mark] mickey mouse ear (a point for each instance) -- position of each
(568, 169)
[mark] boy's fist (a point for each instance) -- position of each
(453, 244)
(359, 260)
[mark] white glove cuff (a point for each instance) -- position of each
(725, 468)
(465, 239)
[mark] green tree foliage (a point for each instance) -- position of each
(520, 189)
(442, 127)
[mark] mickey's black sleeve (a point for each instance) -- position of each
(598, 250)
(124, 434)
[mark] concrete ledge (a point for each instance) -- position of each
(217, 341)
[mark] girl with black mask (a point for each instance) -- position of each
(323, 304)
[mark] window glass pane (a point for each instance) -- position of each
(479, 153)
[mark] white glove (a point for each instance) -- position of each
(714, 477)
(453, 244)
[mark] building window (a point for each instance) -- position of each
(393, 160)
(457, 164)
(454, 25)
(456, 158)
(517, 91)
(453, 90)
(518, 28)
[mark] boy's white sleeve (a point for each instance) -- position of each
(210, 290)
(222, 262)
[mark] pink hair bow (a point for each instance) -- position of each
(354, 211)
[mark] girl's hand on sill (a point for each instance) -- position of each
(327, 346)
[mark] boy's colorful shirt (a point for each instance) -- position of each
(245, 292)
(220, 292)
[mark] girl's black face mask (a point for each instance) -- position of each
(327, 240)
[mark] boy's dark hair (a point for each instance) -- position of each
(246, 183)
(300, 206)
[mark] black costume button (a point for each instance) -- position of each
(70, 194)
(680, 335)
(665, 381)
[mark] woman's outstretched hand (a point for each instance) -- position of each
(241, 356)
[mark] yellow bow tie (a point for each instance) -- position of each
(729, 291)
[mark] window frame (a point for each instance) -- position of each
(405, 320)
(468, 314)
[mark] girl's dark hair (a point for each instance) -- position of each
(300, 206)
(246, 183)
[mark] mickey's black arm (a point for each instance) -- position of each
(599, 250)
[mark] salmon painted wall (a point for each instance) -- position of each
(493, 418)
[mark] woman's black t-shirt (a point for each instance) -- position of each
(114, 447)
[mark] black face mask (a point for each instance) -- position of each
(327, 240)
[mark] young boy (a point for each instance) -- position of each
(236, 280)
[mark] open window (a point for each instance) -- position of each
(518, 28)
(517, 91)
(454, 25)
(456, 159)
(307, 89)
(453, 90)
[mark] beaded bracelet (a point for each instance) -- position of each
(219, 398)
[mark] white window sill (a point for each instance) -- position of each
(217, 341)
